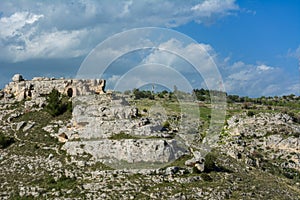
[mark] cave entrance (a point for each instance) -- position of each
(70, 92)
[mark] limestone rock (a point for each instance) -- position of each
(172, 170)
(276, 135)
(132, 151)
(17, 78)
(197, 161)
(62, 138)
(20, 125)
(40, 86)
(100, 87)
(29, 126)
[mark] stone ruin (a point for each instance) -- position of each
(22, 89)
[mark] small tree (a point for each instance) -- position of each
(55, 106)
(210, 162)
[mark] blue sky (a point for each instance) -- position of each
(255, 44)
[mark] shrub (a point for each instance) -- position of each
(56, 104)
(142, 94)
(246, 105)
(209, 163)
(5, 141)
(62, 183)
(250, 113)
(206, 177)
(161, 95)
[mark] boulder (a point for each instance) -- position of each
(29, 125)
(20, 125)
(62, 138)
(17, 78)
(100, 88)
(172, 170)
(197, 161)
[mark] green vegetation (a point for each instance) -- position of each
(121, 136)
(250, 113)
(58, 104)
(180, 162)
(62, 183)
(210, 162)
(142, 94)
(5, 141)
(166, 125)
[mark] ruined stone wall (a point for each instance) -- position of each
(40, 86)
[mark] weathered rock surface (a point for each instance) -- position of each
(273, 136)
(132, 151)
(98, 118)
(17, 78)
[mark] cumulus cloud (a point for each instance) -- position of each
(256, 80)
(238, 77)
(72, 28)
(264, 67)
(209, 8)
(189, 59)
(12, 26)
(171, 52)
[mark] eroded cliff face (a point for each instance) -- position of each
(38, 87)
(98, 120)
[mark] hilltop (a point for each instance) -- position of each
(69, 139)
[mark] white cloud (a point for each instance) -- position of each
(211, 7)
(264, 67)
(12, 26)
(257, 80)
(177, 55)
(70, 28)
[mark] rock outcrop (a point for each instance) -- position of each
(129, 153)
(40, 86)
(17, 78)
(109, 129)
(265, 136)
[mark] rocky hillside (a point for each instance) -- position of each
(112, 146)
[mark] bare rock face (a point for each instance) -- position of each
(109, 129)
(100, 87)
(274, 135)
(118, 153)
